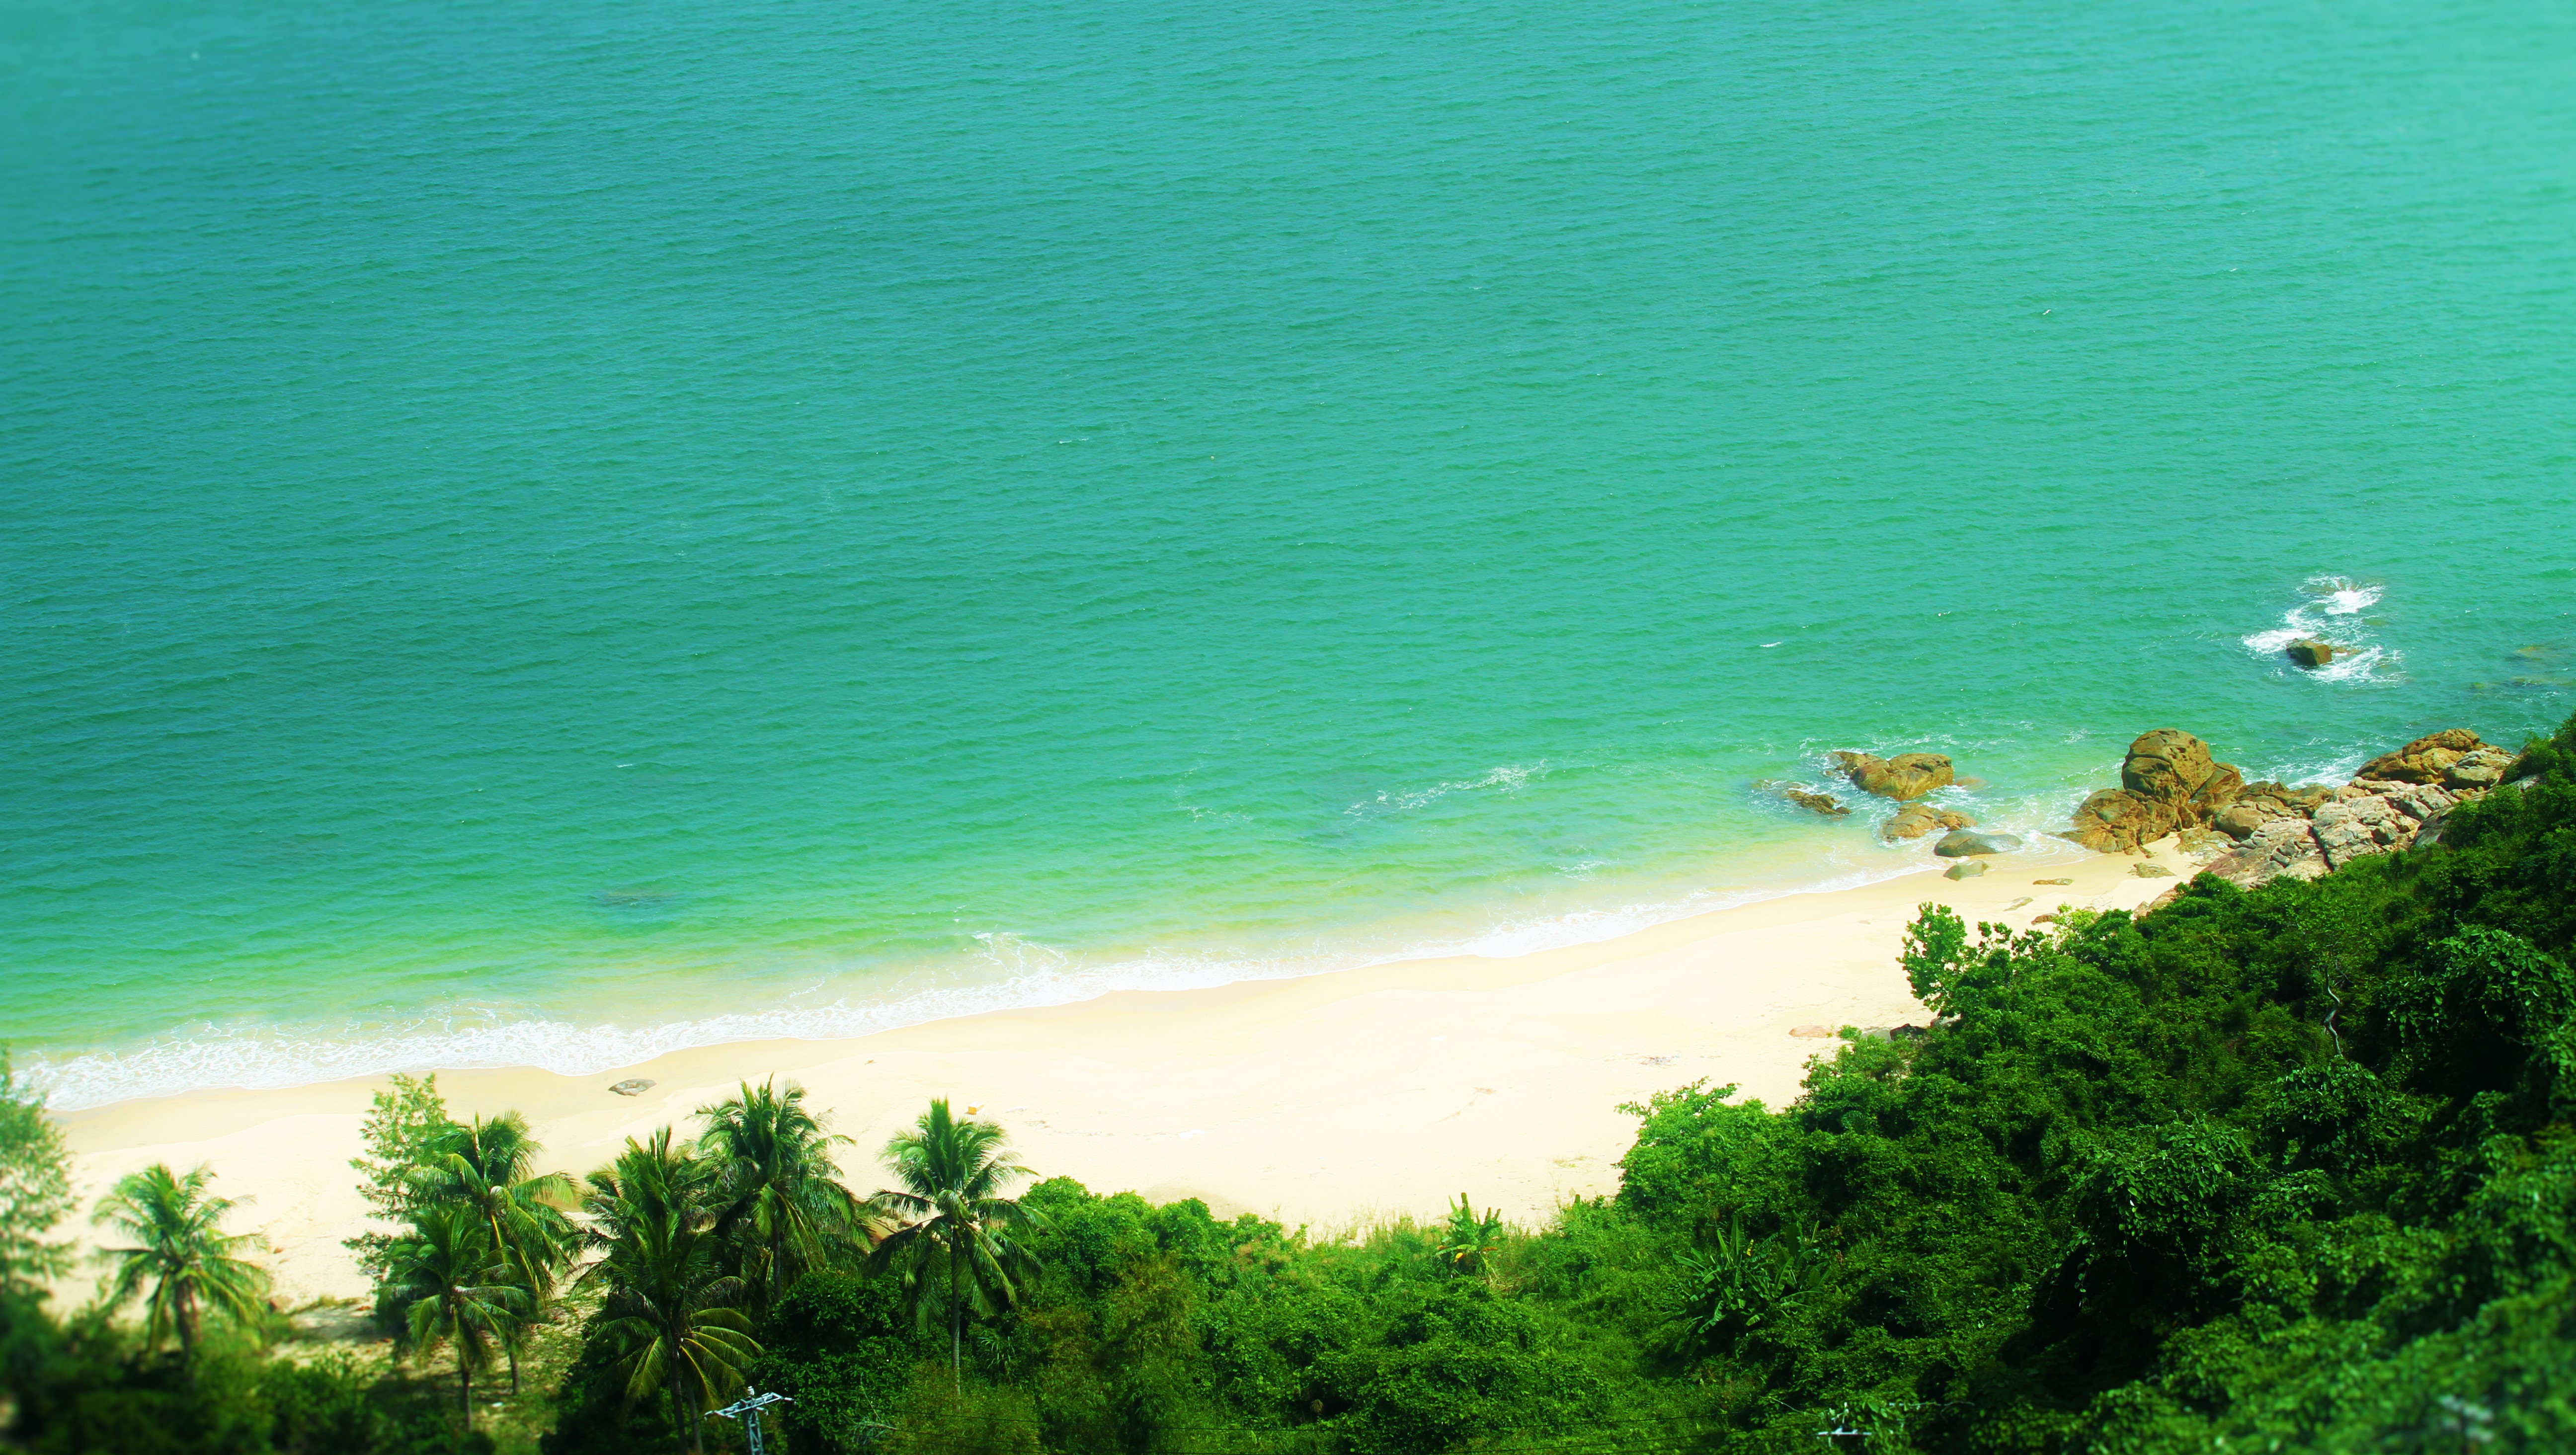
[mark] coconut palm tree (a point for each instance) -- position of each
(676, 1314)
(488, 1169)
(455, 1285)
(650, 1181)
(180, 1254)
(784, 1209)
(954, 1244)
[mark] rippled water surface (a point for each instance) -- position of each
(545, 532)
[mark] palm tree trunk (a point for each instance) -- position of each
(184, 1314)
(956, 1325)
(511, 1343)
(464, 1379)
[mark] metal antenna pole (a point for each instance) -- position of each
(747, 1409)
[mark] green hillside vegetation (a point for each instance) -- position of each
(2292, 1169)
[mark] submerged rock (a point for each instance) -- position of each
(2310, 652)
(1960, 843)
(1824, 804)
(1905, 777)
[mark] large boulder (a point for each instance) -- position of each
(2168, 781)
(2431, 759)
(2117, 821)
(1961, 843)
(1905, 777)
(1915, 820)
(2309, 652)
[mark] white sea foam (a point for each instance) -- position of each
(1510, 778)
(1024, 973)
(2327, 613)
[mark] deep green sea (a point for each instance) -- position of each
(542, 533)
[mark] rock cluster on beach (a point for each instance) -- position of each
(2169, 782)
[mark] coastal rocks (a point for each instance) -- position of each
(2282, 846)
(2454, 757)
(633, 1086)
(1965, 869)
(1915, 820)
(2311, 653)
(2168, 781)
(2376, 823)
(1823, 804)
(1905, 777)
(1960, 843)
(2151, 871)
(2052, 881)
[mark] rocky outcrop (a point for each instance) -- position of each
(2311, 652)
(2283, 846)
(2170, 784)
(1961, 843)
(2168, 781)
(1915, 820)
(1905, 777)
(1965, 869)
(2454, 758)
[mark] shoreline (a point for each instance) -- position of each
(290, 1058)
(1325, 1100)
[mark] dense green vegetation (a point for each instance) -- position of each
(2292, 1169)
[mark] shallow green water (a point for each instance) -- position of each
(539, 533)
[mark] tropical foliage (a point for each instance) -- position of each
(180, 1261)
(2285, 1170)
(955, 1246)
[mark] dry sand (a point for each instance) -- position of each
(1341, 1097)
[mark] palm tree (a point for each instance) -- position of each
(785, 1207)
(455, 1284)
(488, 1169)
(676, 1312)
(955, 1245)
(180, 1252)
(650, 1181)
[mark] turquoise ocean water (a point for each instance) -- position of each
(544, 533)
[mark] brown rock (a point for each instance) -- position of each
(1819, 803)
(2166, 765)
(2240, 819)
(1965, 869)
(2151, 871)
(1905, 777)
(2311, 653)
(2167, 782)
(1915, 820)
(2427, 759)
(2117, 820)
(2157, 903)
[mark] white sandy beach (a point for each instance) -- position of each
(1364, 1093)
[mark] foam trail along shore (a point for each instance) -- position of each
(1367, 1092)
